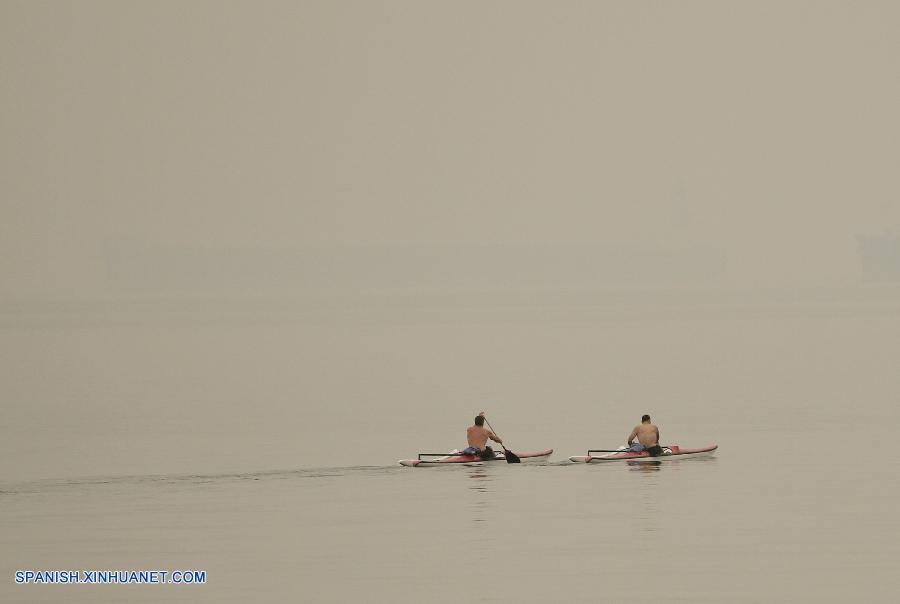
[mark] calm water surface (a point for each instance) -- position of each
(737, 528)
(184, 428)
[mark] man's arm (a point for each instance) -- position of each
(632, 435)
(495, 438)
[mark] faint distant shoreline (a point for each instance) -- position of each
(648, 304)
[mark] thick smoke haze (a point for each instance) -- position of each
(249, 235)
(170, 148)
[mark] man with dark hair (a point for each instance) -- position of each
(477, 436)
(647, 436)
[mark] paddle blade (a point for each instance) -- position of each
(511, 457)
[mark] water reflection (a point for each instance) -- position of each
(480, 484)
(480, 479)
(644, 466)
(646, 505)
(655, 465)
(649, 513)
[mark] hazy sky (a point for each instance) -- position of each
(765, 134)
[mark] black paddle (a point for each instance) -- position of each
(510, 456)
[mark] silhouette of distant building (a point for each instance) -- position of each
(880, 257)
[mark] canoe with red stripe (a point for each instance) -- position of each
(441, 459)
(669, 452)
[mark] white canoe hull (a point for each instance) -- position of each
(672, 452)
(473, 460)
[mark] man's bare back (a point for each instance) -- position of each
(646, 433)
(478, 435)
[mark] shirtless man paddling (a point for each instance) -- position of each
(478, 435)
(647, 436)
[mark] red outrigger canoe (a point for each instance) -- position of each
(442, 459)
(624, 454)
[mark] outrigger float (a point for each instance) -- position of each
(625, 454)
(455, 457)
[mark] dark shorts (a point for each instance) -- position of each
(654, 451)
